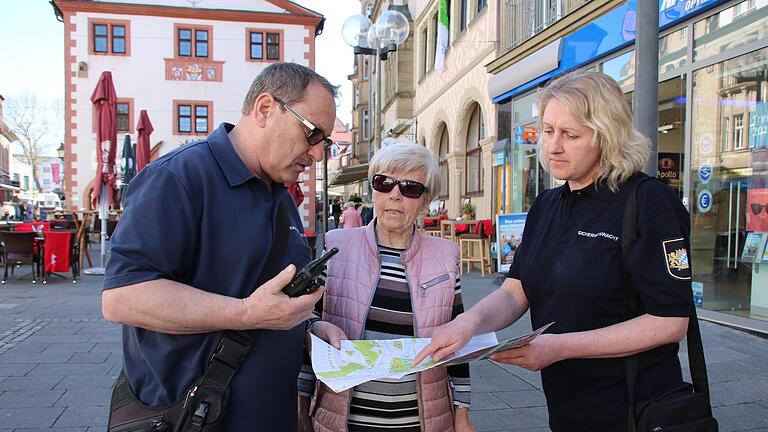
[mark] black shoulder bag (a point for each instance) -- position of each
(203, 406)
(684, 407)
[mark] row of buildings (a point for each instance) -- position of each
(18, 179)
(478, 114)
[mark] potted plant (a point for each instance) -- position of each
(467, 211)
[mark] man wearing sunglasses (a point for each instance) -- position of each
(208, 239)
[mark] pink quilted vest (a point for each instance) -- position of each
(431, 264)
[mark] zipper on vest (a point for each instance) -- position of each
(419, 389)
(432, 283)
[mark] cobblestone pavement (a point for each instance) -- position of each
(59, 359)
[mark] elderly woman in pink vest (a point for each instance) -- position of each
(390, 281)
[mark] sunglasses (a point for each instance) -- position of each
(408, 188)
(315, 135)
(756, 207)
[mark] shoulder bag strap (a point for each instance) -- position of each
(695, 349)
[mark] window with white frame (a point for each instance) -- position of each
(738, 132)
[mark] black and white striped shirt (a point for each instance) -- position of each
(391, 404)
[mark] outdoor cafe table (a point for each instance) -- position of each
(448, 227)
(55, 252)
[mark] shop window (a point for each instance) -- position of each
(193, 41)
(264, 45)
(443, 148)
(622, 69)
(673, 51)
(109, 37)
(730, 28)
(192, 117)
(474, 166)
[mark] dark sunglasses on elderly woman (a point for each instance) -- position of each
(408, 188)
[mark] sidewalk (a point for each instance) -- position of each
(59, 358)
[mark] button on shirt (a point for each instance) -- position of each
(570, 265)
(199, 216)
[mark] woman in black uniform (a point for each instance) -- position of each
(569, 267)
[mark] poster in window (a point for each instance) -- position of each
(509, 234)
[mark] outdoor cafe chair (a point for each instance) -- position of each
(19, 248)
(54, 239)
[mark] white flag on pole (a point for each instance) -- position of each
(442, 36)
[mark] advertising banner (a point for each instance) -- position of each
(509, 234)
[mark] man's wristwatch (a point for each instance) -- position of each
(308, 323)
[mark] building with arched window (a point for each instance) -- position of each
(451, 105)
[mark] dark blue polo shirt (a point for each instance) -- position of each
(199, 216)
(570, 265)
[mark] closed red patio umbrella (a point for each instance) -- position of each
(104, 100)
(105, 192)
(142, 144)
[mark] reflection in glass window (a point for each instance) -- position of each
(525, 108)
(622, 69)
(738, 131)
(730, 28)
(673, 50)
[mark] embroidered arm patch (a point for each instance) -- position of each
(676, 258)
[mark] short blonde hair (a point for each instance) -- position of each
(407, 157)
(596, 100)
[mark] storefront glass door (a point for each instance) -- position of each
(729, 184)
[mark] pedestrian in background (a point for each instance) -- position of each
(350, 218)
(336, 212)
(569, 267)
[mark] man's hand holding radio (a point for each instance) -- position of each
(269, 308)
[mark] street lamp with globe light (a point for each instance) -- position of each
(390, 30)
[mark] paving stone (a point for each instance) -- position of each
(16, 369)
(88, 357)
(83, 416)
(72, 347)
(69, 369)
(108, 347)
(55, 430)
(29, 347)
(520, 418)
(38, 382)
(85, 398)
(741, 417)
(739, 392)
(29, 417)
(59, 338)
(522, 399)
(43, 357)
(77, 382)
(29, 399)
(482, 401)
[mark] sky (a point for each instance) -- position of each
(32, 45)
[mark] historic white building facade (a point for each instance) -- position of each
(188, 66)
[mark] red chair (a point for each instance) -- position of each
(61, 254)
